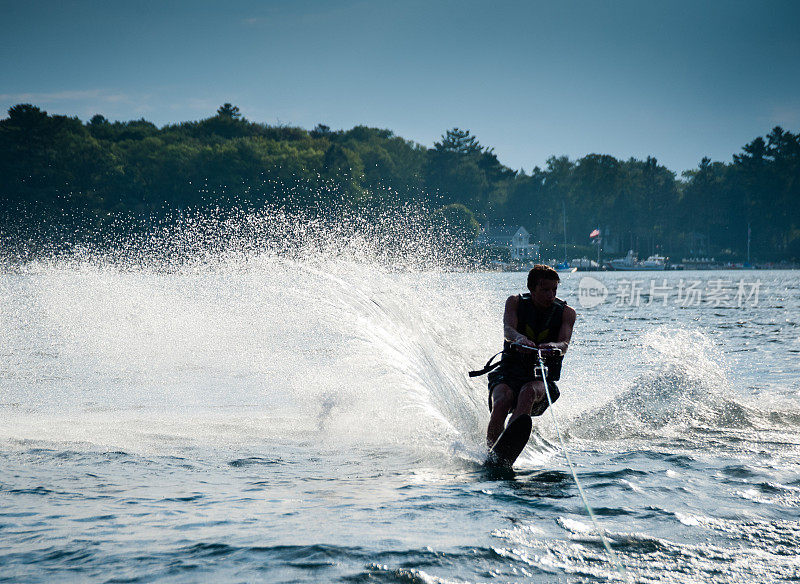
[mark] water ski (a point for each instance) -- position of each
(511, 442)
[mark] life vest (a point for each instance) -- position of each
(540, 326)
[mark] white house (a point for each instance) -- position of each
(516, 238)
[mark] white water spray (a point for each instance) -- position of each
(215, 333)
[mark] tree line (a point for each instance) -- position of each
(56, 169)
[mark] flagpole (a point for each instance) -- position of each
(599, 239)
(564, 216)
(748, 244)
(596, 234)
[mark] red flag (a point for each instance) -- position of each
(594, 233)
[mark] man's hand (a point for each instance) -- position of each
(524, 344)
(560, 346)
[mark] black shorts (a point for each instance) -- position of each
(515, 380)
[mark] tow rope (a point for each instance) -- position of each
(541, 369)
(600, 531)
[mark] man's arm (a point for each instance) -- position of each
(565, 332)
(510, 320)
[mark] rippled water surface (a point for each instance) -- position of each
(266, 419)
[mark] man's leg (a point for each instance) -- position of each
(502, 401)
(530, 395)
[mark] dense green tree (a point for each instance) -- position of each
(460, 170)
(55, 169)
(229, 111)
(459, 142)
(457, 222)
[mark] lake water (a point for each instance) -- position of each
(259, 418)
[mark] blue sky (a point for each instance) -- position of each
(676, 80)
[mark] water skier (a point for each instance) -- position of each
(537, 320)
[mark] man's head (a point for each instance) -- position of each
(543, 284)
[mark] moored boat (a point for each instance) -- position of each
(631, 263)
(565, 267)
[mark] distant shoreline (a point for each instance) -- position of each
(57, 171)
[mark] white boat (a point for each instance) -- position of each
(626, 263)
(654, 262)
(631, 263)
(585, 265)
